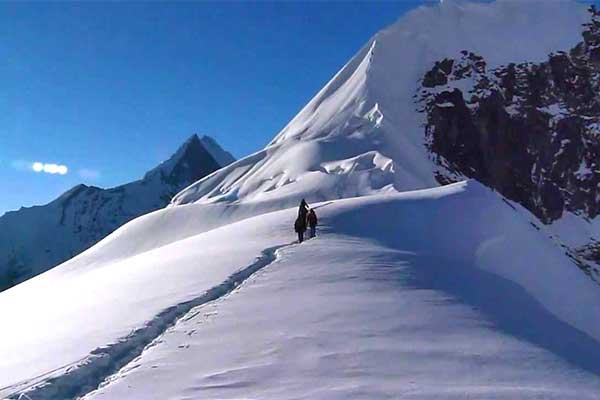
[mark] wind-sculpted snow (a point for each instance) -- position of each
(269, 177)
(380, 106)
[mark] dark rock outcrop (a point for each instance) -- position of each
(530, 131)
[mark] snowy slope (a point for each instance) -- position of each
(447, 292)
(417, 297)
(399, 321)
(34, 239)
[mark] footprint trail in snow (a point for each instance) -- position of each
(90, 373)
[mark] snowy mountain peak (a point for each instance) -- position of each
(191, 159)
(367, 111)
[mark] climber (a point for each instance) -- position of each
(303, 209)
(311, 221)
(300, 228)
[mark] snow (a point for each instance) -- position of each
(583, 171)
(93, 296)
(557, 111)
(445, 292)
(422, 300)
(594, 128)
(452, 264)
(376, 328)
(329, 329)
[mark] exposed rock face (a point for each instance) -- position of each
(530, 131)
(33, 240)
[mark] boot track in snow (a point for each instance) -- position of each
(88, 374)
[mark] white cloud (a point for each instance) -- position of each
(52, 168)
(49, 168)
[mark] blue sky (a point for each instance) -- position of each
(111, 89)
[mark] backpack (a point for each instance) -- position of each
(299, 225)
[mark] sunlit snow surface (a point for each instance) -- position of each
(443, 292)
(447, 292)
(406, 307)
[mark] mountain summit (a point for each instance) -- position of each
(34, 239)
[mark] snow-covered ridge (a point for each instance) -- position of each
(35, 239)
(472, 258)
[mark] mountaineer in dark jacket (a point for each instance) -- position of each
(303, 209)
(312, 221)
(300, 228)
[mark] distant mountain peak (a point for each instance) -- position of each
(223, 157)
(34, 239)
(191, 162)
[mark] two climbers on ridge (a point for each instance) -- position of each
(306, 217)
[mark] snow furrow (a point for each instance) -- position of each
(88, 374)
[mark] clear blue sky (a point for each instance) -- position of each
(114, 88)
